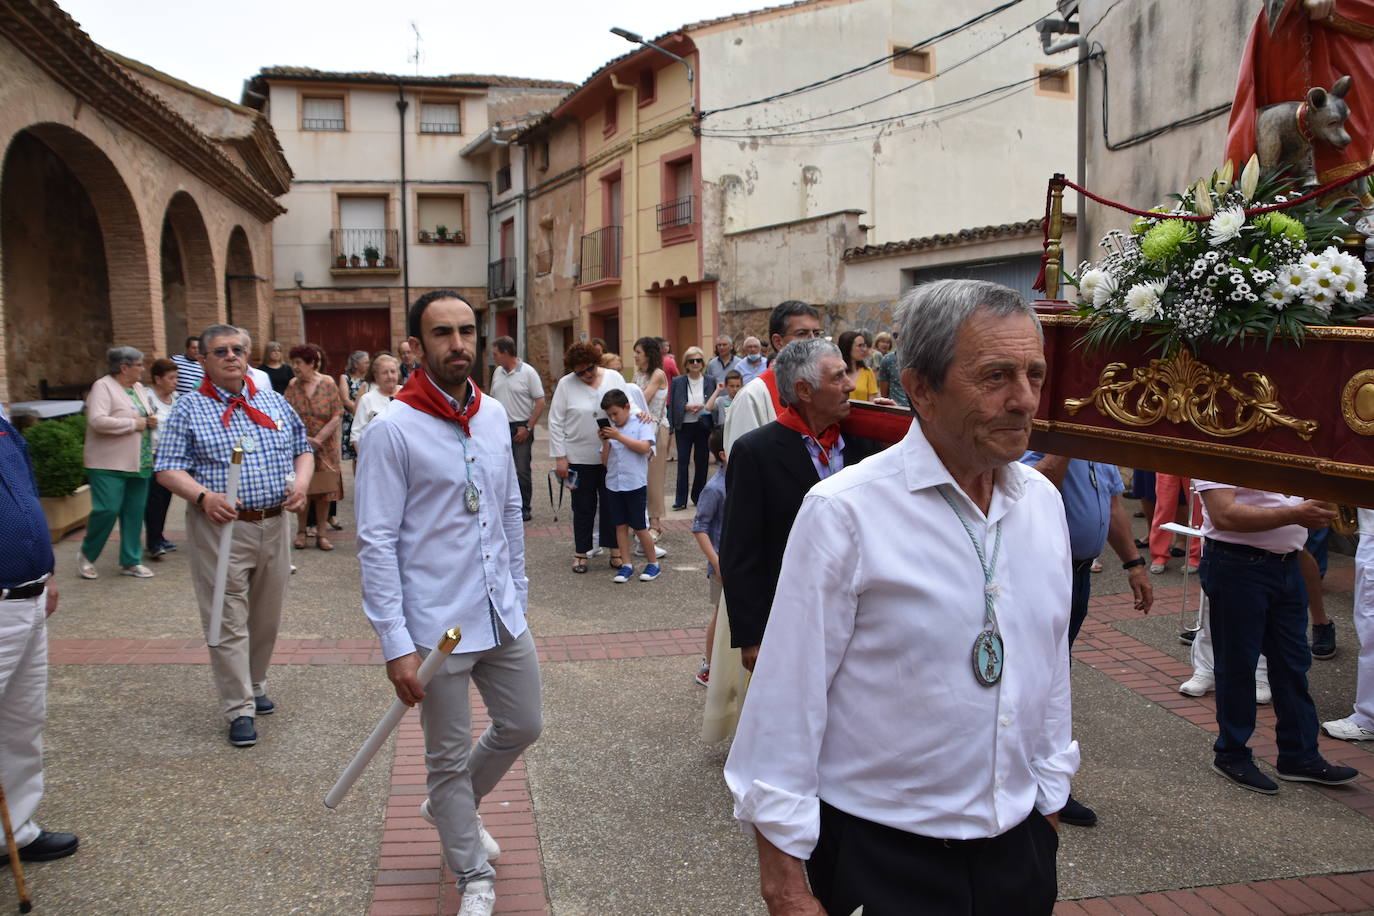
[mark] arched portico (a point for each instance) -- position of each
(190, 284)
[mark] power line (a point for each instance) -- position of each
(706, 132)
(871, 64)
(887, 95)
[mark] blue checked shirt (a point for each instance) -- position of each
(194, 440)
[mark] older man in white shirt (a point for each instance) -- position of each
(442, 544)
(907, 735)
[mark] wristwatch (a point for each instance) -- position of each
(1132, 564)
(200, 500)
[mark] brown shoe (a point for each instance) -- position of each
(323, 543)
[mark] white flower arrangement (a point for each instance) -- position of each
(1202, 269)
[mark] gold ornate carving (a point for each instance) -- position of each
(1182, 390)
(1357, 402)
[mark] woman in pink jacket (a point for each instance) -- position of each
(119, 462)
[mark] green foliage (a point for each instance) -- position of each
(55, 447)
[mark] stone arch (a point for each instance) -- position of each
(242, 287)
(75, 267)
(190, 288)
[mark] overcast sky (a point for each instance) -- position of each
(216, 45)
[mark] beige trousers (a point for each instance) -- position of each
(259, 568)
(658, 466)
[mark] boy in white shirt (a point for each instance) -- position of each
(627, 444)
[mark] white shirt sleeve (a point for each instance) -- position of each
(558, 420)
(381, 487)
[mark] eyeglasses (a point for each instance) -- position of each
(803, 333)
(223, 352)
(585, 371)
(695, 359)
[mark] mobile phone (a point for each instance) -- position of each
(603, 422)
(571, 480)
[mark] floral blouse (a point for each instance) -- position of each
(315, 411)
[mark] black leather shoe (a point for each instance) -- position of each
(1245, 774)
(242, 733)
(47, 847)
(1077, 814)
(526, 514)
(264, 706)
(1326, 774)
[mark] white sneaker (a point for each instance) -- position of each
(659, 552)
(1263, 695)
(1189, 570)
(1199, 685)
(138, 572)
(595, 552)
(489, 844)
(86, 567)
(1156, 568)
(479, 898)
(1347, 730)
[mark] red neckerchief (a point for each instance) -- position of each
(771, 381)
(824, 442)
(421, 394)
(208, 389)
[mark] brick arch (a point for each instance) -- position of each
(243, 288)
(188, 259)
(97, 295)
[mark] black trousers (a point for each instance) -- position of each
(691, 437)
(523, 453)
(155, 515)
(590, 490)
(894, 873)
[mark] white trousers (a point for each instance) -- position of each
(23, 709)
(1202, 652)
(461, 771)
(1364, 629)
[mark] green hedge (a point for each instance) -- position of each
(56, 447)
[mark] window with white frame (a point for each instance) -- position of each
(323, 113)
(440, 118)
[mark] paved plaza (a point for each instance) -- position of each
(619, 808)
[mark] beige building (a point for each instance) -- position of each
(384, 205)
(134, 208)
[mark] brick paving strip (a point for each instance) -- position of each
(412, 879)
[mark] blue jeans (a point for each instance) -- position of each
(1259, 604)
(1078, 599)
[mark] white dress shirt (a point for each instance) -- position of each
(1284, 539)
(626, 469)
(864, 693)
(573, 433)
(427, 563)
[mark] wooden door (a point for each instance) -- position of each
(341, 331)
(687, 333)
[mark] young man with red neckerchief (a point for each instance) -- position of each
(442, 544)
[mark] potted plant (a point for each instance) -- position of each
(341, 260)
(426, 235)
(388, 262)
(355, 261)
(371, 255)
(55, 447)
(441, 232)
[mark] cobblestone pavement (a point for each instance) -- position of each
(619, 808)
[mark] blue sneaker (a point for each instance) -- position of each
(624, 575)
(242, 733)
(650, 573)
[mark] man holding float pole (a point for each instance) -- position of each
(441, 542)
(195, 461)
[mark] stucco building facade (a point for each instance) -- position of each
(134, 209)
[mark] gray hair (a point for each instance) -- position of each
(929, 317)
(247, 338)
(800, 361)
(116, 358)
(214, 331)
(354, 358)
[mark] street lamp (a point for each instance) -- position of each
(636, 38)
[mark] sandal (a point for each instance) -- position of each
(299, 542)
(311, 531)
(579, 563)
(323, 543)
(616, 562)
(334, 525)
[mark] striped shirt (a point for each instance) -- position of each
(189, 373)
(195, 440)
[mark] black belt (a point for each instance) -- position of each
(20, 592)
(1245, 550)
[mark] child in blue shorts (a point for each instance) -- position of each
(627, 444)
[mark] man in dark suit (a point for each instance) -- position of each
(770, 471)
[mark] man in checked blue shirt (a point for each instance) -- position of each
(193, 458)
(1096, 516)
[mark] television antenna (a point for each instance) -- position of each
(415, 56)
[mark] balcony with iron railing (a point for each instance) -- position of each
(375, 251)
(501, 279)
(600, 261)
(673, 214)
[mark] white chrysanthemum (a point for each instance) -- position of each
(1225, 226)
(1352, 287)
(1278, 295)
(1315, 261)
(1342, 264)
(1321, 278)
(1088, 282)
(1320, 299)
(1104, 290)
(1142, 301)
(1293, 277)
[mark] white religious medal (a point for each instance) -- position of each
(988, 651)
(472, 500)
(249, 444)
